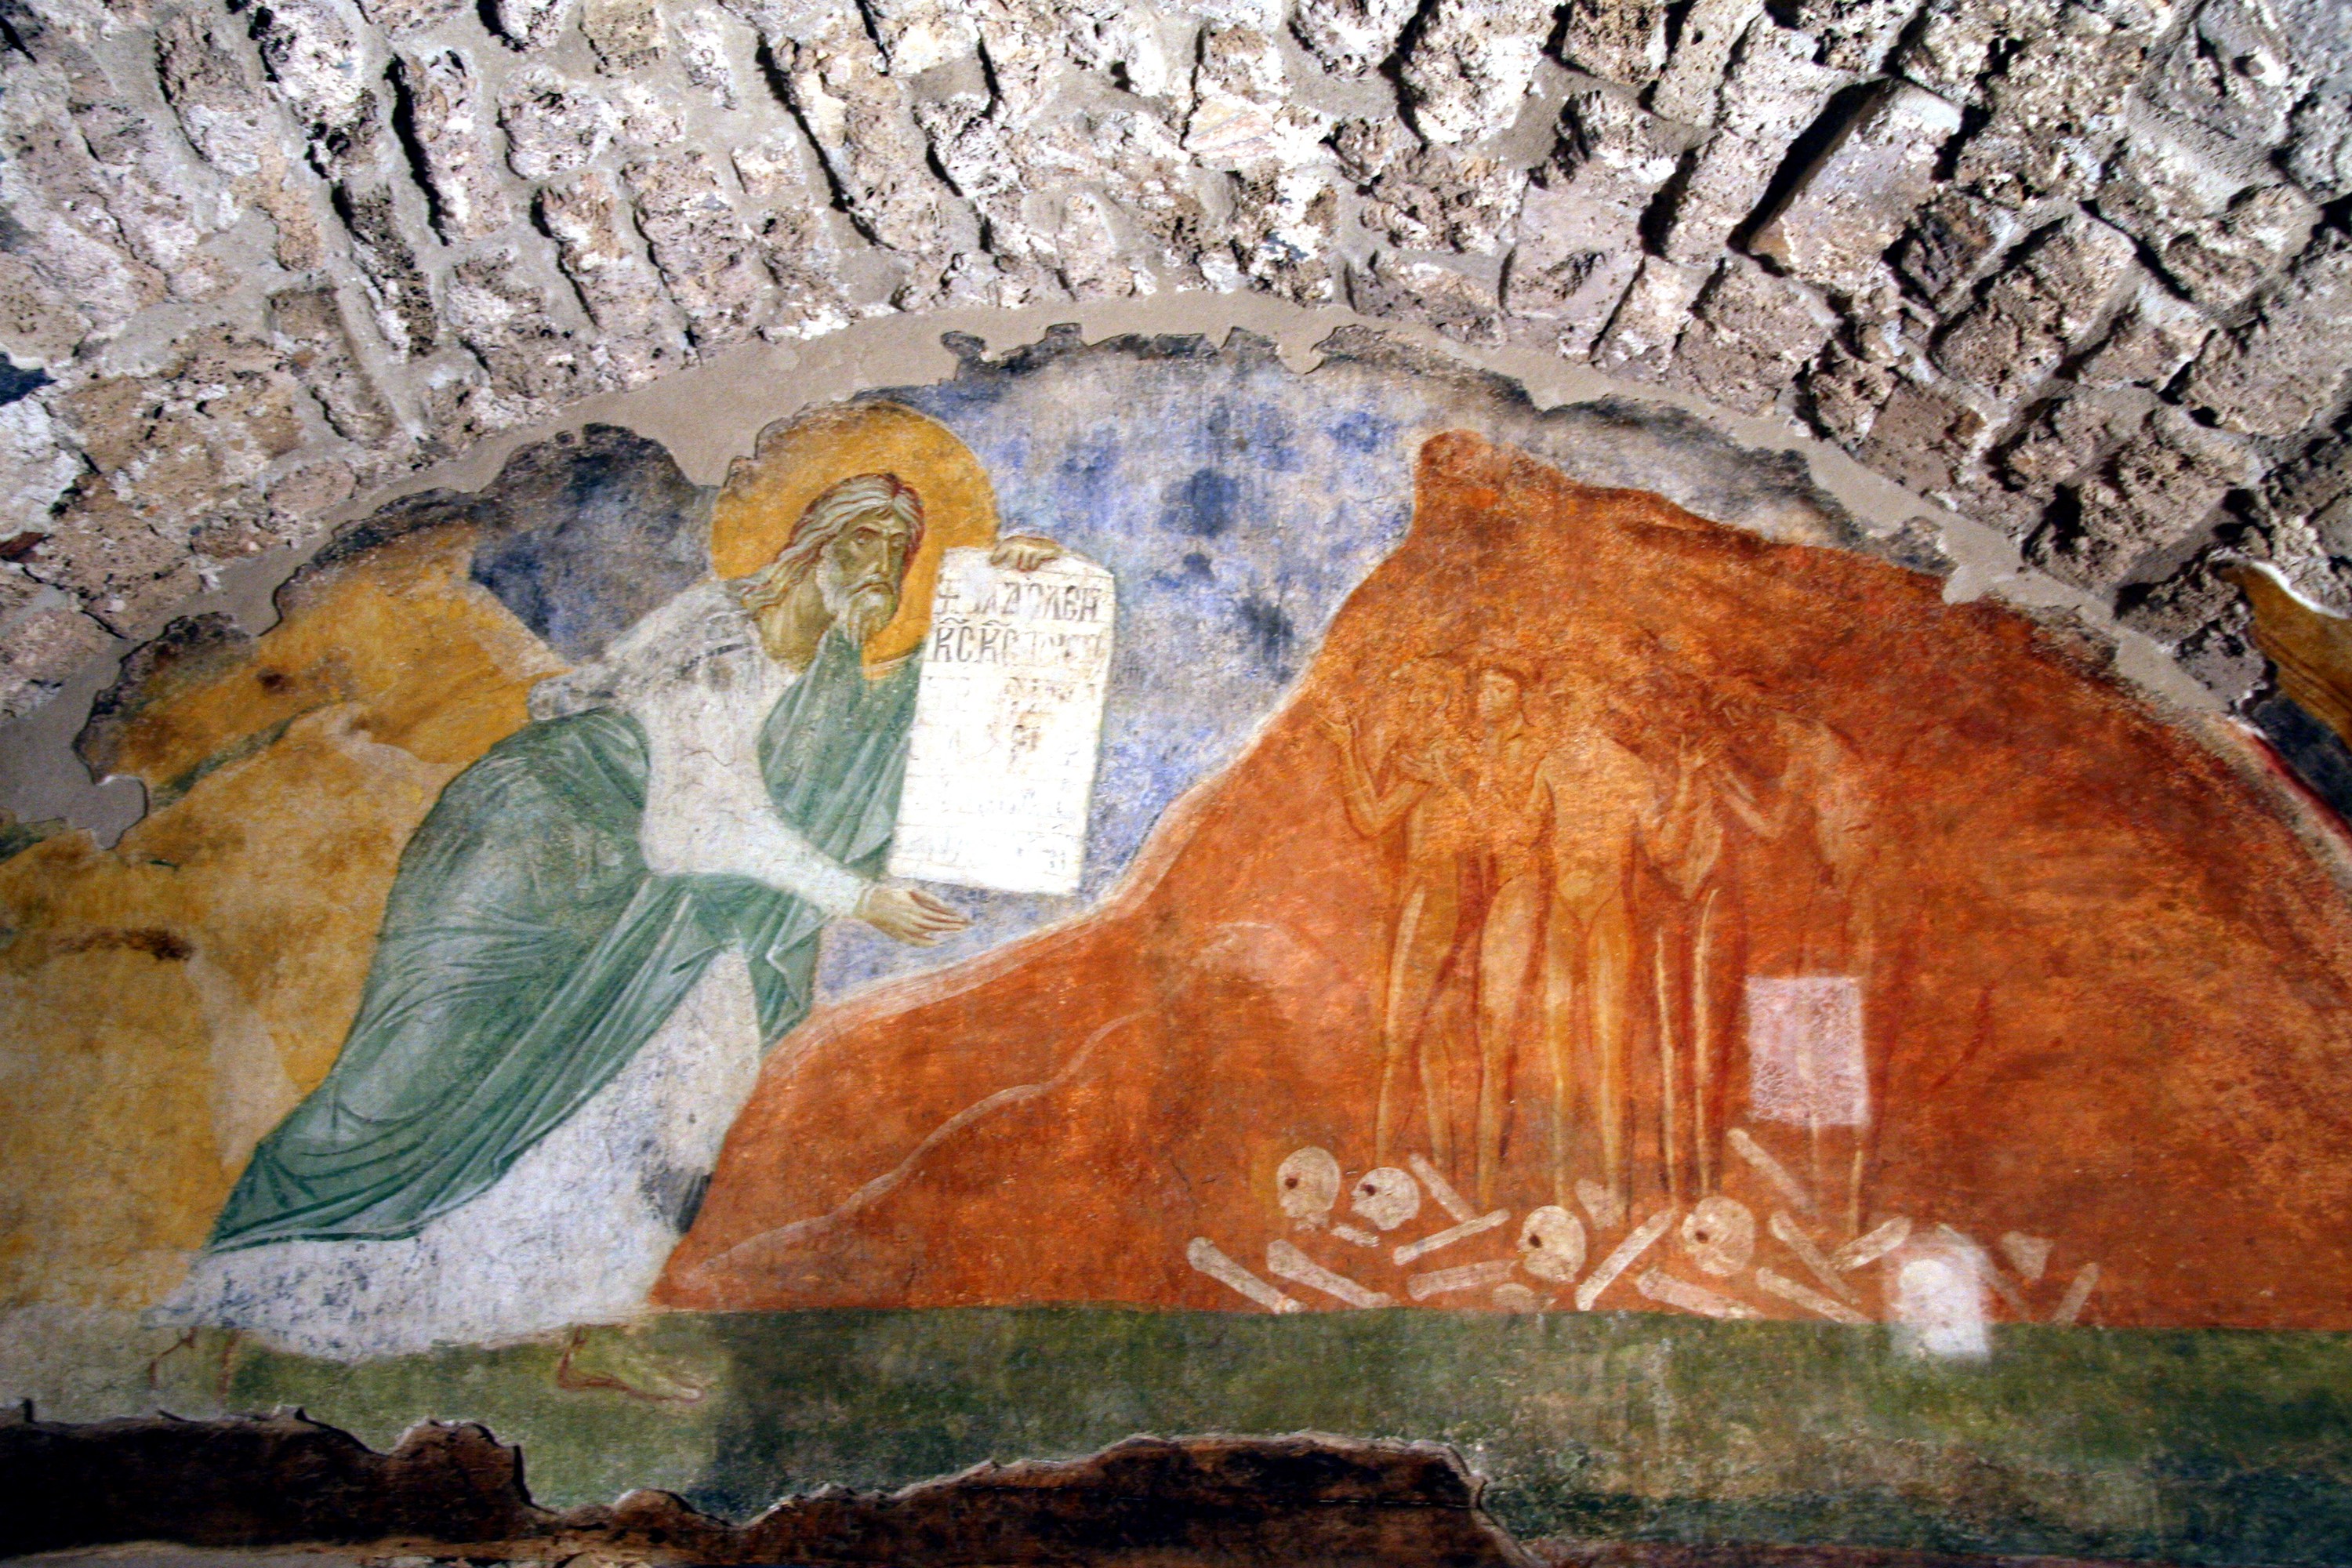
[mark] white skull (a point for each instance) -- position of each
(1307, 1185)
(1388, 1197)
(1720, 1234)
(1551, 1245)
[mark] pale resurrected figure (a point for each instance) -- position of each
(593, 939)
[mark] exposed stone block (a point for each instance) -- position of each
(1703, 46)
(452, 130)
(311, 331)
(2153, 494)
(2286, 367)
(1773, 89)
(1840, 392)
(860, 122)
(1612, 151)
(2319, 158)
(1468, 70)
(122, 570)
(2034, 313)
(1423, 292)
(39, 650)
(642, 333)
(626, 34)
(2152, 338)
(1283, 225)
(1438, 199)
(1925, 437)
(531, 24)
(553, 126)
(1849, 205)
(399, 288)
(2233, 71)
(2056, 105)
(2065, 436)
(701, 246)
(1575, 259)
(1749, 335)
(1726, 175)
(1950, 238)
(1243, 118)
(398, 17)
(1855, 34)
(1648, 322)
(57, 204)
(1349, 37)
(1616, 40)
(313, 49)
(703, 54)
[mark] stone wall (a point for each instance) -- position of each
(2078, 268)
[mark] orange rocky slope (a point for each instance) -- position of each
(2105, 979)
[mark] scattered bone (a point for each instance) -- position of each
(1865, 1250)
(1638, 1242)
(2012, 1297)
(1515, 1299)
(1719, 1234)
(1601, 1203)
(1204, 1255)
(1356, 1234)
(1435, 1184)
(1759, 1159)
(1660, 1286)
(2029, 1254)
(1466, 1276)
(1287, 1262)
(2077, 1294)
(1793, 1238)
(1307, 1185)
(1551, 1245)
(1413, 1250)
(1387, 1197)
(1775, 1283)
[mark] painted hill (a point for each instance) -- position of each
(2103, 972)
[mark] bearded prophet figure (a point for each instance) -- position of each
(591, 940)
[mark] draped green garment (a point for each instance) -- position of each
(527, 954)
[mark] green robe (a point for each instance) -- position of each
(527, 954)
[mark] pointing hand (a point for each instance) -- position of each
(1024, 552)
(910, 915)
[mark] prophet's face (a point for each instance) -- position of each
(860, 572)
(1498, 696)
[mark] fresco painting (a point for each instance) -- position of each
(1174, 862)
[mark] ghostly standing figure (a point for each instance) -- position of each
(1687, 956)
(1599, 801)
(1504, 763)
(1424, 793)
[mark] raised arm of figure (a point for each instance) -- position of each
(1372, 811)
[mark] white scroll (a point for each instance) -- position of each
(1008, 720)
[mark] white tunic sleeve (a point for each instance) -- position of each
(707, 806)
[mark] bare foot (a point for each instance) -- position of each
(608, 1363)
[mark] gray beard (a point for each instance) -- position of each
(859, 612)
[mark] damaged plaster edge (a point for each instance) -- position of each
(707, 415)
(286, 1480)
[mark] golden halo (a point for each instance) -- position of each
(794, 462)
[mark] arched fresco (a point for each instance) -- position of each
(1140, 889)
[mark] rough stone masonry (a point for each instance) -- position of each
(2078, 269)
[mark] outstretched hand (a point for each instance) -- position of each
(1024, 552)
(910, 915)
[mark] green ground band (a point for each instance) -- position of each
(2193, 1446)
